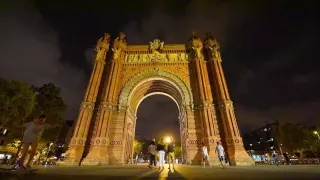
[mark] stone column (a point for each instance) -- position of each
(98, 151)
(231, 134)
(205, 106)
(79, 137)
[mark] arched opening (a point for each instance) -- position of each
(157, 117)
(155, 108)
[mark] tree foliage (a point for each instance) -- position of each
(49, 101)
(137, 145)
(17, 101)
(293, 137)
(177, 151)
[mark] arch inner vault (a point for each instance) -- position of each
(143, 89)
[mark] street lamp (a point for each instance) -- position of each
(316, 133)
(168, 140)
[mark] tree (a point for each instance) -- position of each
(17, 101)
(177, 151)
(315, 140)
(137, 146)
(49, 102)
(292, 137)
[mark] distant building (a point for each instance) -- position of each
(261, 141)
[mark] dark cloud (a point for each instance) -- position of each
(269, 49)
(305, 79)
(201, 16)
(265, 48)
(89, 55)
(250, 118)
(30, 51)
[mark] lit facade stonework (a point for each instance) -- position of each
(123, 75)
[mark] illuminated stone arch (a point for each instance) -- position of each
(162, 77)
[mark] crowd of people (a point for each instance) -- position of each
(221, 155)
(164, 149)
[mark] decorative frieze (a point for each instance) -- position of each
(108, 106)
(87, 105)
(157, 57)
(225, 104)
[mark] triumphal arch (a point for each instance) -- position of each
(123, 75)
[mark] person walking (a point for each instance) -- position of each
(205, 155)
(275, 158)
(162, 153)
(30, 138)
(287, 158)
(221, 154)
(152, 154)
(136, 159)
(170, 152)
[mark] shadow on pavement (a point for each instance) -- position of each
(25, 176)
(165, 173)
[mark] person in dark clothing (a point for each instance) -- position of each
(170, 152)
(152, 154)
(275, 158)
(286, 157)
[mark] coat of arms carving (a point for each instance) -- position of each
(156, 45)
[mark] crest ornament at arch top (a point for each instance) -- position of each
(127, 88)
(156, 45)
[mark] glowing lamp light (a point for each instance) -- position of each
(168, 140)
(315, 132)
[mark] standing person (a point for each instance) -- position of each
(275, 157)
(205, 155)
(170, 152)
(30, 138)
(136, 159)
(286, 157)
(221, 154)
(152, 154)
(162, 153)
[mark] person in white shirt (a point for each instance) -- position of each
(30, 138)
(205, 155)
(221, 153)
(162, 153)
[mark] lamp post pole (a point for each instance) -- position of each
(316, 133)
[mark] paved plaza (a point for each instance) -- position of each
(180, 172)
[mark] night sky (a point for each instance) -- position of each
(269, 50)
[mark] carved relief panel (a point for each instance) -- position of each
(157, 57)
